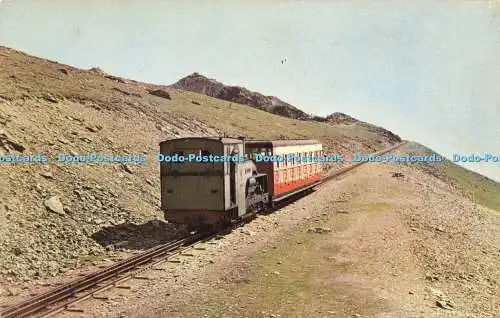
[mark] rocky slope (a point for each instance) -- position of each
(210, 87)
(56, 217)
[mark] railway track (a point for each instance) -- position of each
(68, 294)
(63, 298)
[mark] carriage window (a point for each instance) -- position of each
(205, 153)
(179, 153)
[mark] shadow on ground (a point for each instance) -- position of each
(137, 236)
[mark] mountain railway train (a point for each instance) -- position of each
(213, 181)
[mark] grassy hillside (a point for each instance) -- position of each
(477, 187)
(482, 190)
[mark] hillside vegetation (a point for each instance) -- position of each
(478, 188)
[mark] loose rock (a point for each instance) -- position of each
(444, 304)
(160, 93)
(319, 230)
(126, 168)
(50, 98)
(248, 232)
(47, 175)
(9, 144)
(94, 129)
(63, 140)
(54, 205)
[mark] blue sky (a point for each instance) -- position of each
(427, 70)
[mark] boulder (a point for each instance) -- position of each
(160, 93)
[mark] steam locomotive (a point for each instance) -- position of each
(213, 181)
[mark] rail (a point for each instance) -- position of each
(69, 290)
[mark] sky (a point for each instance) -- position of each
(427, 70)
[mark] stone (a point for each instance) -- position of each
(9, 144)
(13, 291)
(94, 128)
(160, 93)
(86, 139)
(444, 304)
(50, 98)
(63, 140)
(126, 168)
(319, 230)
(47, 175)
(248, 232)
(115, 78)
(53, 204)
(97, 70)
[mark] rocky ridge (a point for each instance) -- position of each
(210, 87)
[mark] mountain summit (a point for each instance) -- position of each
(203, 85)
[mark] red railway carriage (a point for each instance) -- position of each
(290, 166)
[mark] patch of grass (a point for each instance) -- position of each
(483, 190)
